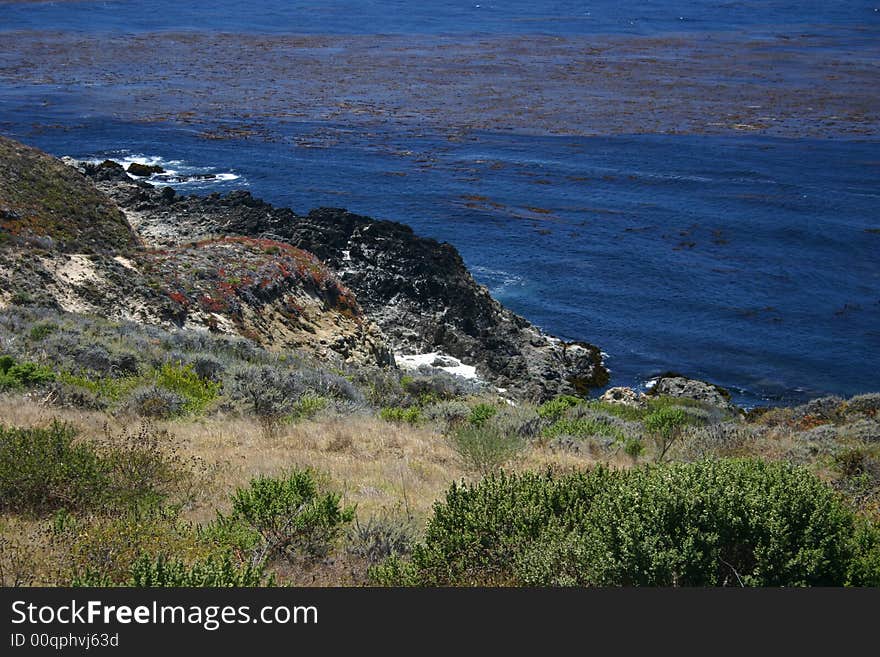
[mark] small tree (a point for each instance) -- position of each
(665, 425)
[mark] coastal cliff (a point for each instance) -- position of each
(331, 283)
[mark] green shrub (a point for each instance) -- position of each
(478, 531)
(22, 375)
(633, 447)
(41, 330)
(713, 523)
(411, 415)
(556, 407)
(308, 407)
(582, 426)
(482, 413)
(155, 572)
(42, 470)
(197, 392)
(665, 424)
(485, 448)
(282, 517)
(865, 566)
(46, 469)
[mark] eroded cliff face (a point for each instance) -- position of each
(417, 290)
(64, 244)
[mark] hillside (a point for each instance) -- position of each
(67, 246)
(211, 399)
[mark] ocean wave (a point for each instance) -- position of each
(175, 173)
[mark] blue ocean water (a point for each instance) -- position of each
(750, 261)
(439, 17)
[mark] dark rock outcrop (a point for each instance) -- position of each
(418, 290)
(143, 170)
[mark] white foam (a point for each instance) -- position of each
(415, 361)
(176, 172)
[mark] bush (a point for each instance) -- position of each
(713, 523)
(556, 407)
(42, 470)
(45, 469)
(22, 375)
(411, 415)
(282, 517)
(156, 402)
(665, 424)
(584, 426)
(485, 448)
(381, 537)
(154, 572)
(197, 392)
(449, 413)
(482, 413)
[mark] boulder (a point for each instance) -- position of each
(144, 170)
(675, 385)
(623, 396)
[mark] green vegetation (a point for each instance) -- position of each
(146, 572)
(43, 470)
(484, 448)
(411, 415)
(727, 500)
(556, 407)
(713, 523)
(284, 517)
(22, 375)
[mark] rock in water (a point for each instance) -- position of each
(144, 170)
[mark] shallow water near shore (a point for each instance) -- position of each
(745, 253)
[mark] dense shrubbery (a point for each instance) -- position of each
(45, 469)
(287, 517)
(149, 572)
(15, 375)
(712, 523)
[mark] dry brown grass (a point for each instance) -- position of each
(373, 463)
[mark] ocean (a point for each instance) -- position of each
(690, 186)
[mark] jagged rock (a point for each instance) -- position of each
(417, 290)
(675, 385)
(624, 397)
(143, 170)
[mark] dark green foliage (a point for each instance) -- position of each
(713, 523)
(45, 469)
(22, 375)
(40, 331)
(482, 413)
(42, 470)
(155, 572)
(286, 517)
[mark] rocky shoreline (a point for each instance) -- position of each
(374, 288)
(417, 290)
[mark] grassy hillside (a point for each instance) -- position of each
(132, 454)
(46, 204)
